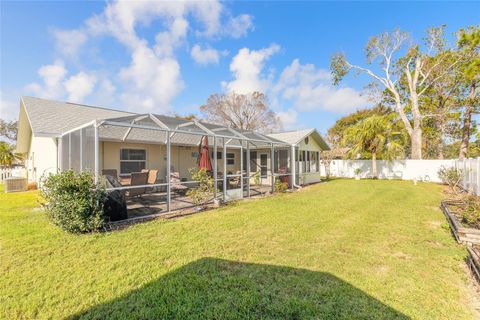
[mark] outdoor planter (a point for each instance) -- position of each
(474, 261)
(468, 236)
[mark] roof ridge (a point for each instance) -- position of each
(294, 130)
(80, 105)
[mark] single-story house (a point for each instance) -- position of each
(56, 135)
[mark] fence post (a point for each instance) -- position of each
(464, 184)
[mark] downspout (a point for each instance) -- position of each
(294, 168)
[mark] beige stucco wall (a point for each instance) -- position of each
(41, 158)
(183, 158)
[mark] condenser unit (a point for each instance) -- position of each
(15, 184)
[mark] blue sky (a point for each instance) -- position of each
(166, 57)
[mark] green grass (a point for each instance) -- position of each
(339, 250)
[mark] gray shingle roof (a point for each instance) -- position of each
(53, 118)
(48, 117)
(294, 137)
(291, 137)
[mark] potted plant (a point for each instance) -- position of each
(357, 173)
(201, 194)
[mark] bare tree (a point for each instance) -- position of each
(242, 111)
(415, 69)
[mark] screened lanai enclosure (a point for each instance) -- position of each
(146, 161)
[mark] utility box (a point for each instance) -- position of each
(15, 184)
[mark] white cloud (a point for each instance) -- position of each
(239, 26)
(152, 78)
(288, 118)
(247, 67)
(8, 109)
(79, 86)
(310, 89)
(152, 81)
(52, 76)
(205, 56)
(69, 42)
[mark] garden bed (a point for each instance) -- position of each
(474, 261)
(465, 235)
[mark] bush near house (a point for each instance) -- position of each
(280, 186)
(201, 194)
(73, 201)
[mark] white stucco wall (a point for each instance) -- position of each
(41, 158)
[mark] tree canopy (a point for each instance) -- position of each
(242, 111)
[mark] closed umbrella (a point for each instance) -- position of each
(205, 162)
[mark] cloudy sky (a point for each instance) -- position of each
(168, 57)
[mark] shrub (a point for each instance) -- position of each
(471, 212)
(450, 176)
(357, 172)
(73, 202)
(201, 194)
(280, 186)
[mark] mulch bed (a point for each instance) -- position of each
(462, 233)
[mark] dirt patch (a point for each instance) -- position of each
(402, 255)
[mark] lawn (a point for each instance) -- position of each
(344, 249)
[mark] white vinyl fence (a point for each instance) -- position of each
(420, 170)
(5, 173)
(17, 172)
(471, 177)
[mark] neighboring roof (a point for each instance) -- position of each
(296, 136)
(52, 118)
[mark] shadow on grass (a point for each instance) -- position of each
(220, 289)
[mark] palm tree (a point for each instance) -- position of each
(7, 155)
(376, 136)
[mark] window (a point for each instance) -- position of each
(230, 159)
(219, 155)
(132, 160)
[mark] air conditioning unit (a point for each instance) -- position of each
(15, 184)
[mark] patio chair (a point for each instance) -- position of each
(110, 172)
(138, 179)
(235, 181)
(152, 178)
(176, 185)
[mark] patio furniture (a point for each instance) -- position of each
(234, 182)
(110, 172)
(176, 185)
(152, 178)
(137, 179)
(115, 206)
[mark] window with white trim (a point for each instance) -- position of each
(132, 160)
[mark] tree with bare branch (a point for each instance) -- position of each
(241, 111)
(415, 70)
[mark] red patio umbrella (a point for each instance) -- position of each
(205, 162)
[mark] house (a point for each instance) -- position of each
(57, 135)
(308, 144)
